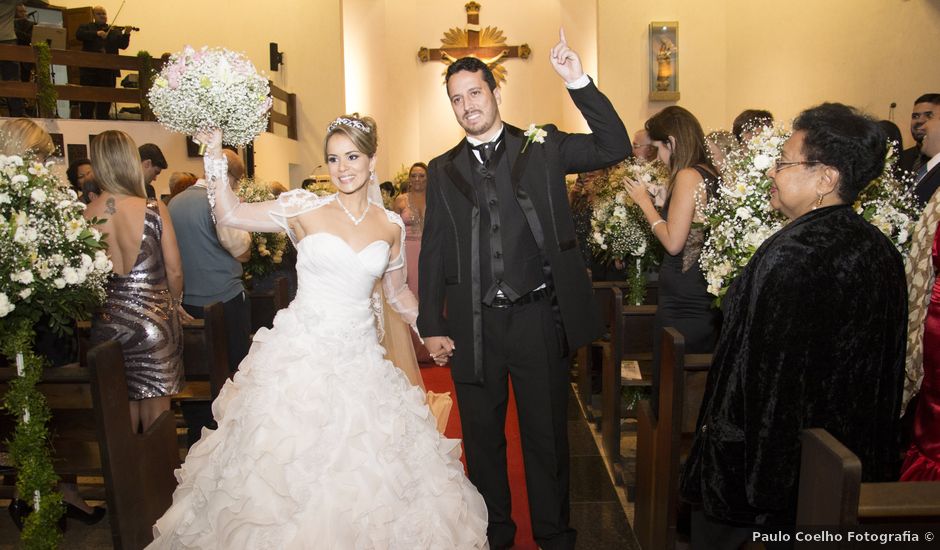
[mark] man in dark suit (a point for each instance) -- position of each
(929, 181)
(499, 249)
(926, 107)
(100, 37)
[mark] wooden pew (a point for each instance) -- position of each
(663, 443)
(831, 492)
(608, 297)
(631, 340)
(265, 305)
(92, 437)
(205, 367)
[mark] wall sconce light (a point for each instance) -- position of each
(277, 58)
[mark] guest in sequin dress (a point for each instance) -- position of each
(141, 311)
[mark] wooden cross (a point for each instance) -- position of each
(487, 45)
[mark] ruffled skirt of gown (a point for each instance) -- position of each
(321, 443)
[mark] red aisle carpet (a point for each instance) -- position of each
(438, 379)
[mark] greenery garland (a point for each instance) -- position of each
(30, 446)
(46, 95)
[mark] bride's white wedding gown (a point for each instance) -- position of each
(321, 442)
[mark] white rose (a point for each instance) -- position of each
(620, 212)
(25, 293)
(45, 271)
(762, 161)
(19, 235)
(38, 195)
(102, 263)
(743, 212)
(59, 282)
(56, 259)
(63, 205)
(19, 179)
(5, 306)
(87, 262)
(25, 277)
(71, 275)
(4, 198)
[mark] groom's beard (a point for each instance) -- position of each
(479, 125)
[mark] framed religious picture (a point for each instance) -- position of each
(76, 151)
(664, 60)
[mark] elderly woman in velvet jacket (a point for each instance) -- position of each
(814, 336)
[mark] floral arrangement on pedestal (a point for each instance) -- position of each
(52, 265)
(739, 214)
(208, 89)
(267, 249)
(741, 219)
(619, 228)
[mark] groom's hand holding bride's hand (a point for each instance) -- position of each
(440, 347)
(565, 61)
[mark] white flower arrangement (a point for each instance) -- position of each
(887, 203)
(208, 89)
(741, 219)
(267, 249)
(52, 261)
(739, 214)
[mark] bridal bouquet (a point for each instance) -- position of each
(267, 249)
(887, 204)
(52, 264)
(208, 89)
(739, 215)
(619, 227)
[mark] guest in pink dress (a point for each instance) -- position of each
(410, 206)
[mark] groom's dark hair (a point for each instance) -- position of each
(471, 65)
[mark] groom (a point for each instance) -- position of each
(499, 253)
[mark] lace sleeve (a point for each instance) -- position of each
(394, 282)
(262, 217)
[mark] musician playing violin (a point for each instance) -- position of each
(100, 37)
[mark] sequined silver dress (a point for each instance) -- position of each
(138, 314)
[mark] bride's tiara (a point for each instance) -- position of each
(343, 121)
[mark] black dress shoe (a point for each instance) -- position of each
(74, 512)
(18, 511)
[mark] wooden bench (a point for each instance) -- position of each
(608, 297)
(265, 305)
(631, 340)
(205, 368)
(831, 492)
(663, 443)
(92, 437)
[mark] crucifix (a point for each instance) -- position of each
(488, 45)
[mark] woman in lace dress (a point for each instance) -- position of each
(321, 442)
(684, 301)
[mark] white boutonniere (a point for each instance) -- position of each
(534, 133)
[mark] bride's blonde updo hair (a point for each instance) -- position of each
(360, 130)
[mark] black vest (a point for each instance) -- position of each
(510, 259)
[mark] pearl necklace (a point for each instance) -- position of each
(356, 221)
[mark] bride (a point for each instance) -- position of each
(321, 442)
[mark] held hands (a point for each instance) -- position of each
(441, 348)
(565, 61)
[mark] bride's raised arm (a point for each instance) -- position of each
(264, 217)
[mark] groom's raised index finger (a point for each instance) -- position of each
(561, 35)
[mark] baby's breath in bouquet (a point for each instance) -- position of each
(208, 89)
(267, 249)
(887, 204)
(619, 228)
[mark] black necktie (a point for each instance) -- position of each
(486, 150)
(921, 172)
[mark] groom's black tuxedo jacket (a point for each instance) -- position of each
(449, 266)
